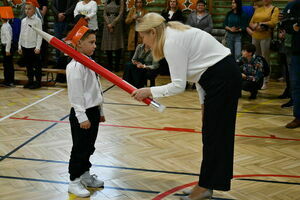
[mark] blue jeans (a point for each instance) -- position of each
(234, 43)
(295, 84)
(60, 31)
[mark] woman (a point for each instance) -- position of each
(196, 56)
(172, 12)
(235, 24)
(88, 8)
(200, 18)
(134, 14)
(112, 38)
(263, 21)
(142, 63)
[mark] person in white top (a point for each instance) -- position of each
(88, 8)
(6, 40)
(194, 55)
(30, 47)
(86, 99)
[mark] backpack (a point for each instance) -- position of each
(16, 29)
(266, 67)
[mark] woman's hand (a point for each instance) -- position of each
(141, 94)
(85, 125)
(102, 119)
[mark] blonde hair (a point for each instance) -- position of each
(154, 21)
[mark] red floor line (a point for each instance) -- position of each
(171, 129)
(181, 187)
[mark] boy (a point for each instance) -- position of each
(85, 96)
(252, 70)
(6, 43)
(30, 45)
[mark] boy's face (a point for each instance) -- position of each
(29, 10)
(88, 45)
(246, 54)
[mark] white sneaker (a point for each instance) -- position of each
(76, 187)
(265, 86)
(91, 180)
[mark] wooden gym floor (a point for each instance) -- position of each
(142, 154)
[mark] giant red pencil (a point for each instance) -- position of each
(94, 66)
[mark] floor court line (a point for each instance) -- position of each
(30, 139)
(237, 177)
(186, 108)
(159, 197)
(181, 187)
(43, 131)
(28, 106)
(169, 129)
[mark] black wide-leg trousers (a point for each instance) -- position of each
(222, 85)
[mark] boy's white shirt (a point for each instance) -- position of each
(84, 89)
(6, 36)
(28, 37)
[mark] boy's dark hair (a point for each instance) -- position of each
(89, 32)
(201, 1)
(249, 48)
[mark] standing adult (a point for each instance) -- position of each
(63, 15)
(112, 38)
(235, 24)
(88, 9)
(133, 16)
(196, 56)
(263, 21)
(293, 28)
(200, 18)
(172, 12)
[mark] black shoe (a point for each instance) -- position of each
(28, 85)
(284, 96)
(288, 104)
(253, 95)
(35, 85)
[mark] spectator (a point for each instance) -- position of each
(6, 47)
(30, 45)
(235, 23)
(112, 38)
(172, 12)
(142, 64)
(134, 14)
(293, 28)
(252, 70)
(88, 8)
(263, 21)
(200, 18)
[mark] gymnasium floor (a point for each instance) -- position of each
(142, 154)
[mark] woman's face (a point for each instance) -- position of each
(173, 3)
(138, 3)
(200, 7)
(233, 5)
(148, 38)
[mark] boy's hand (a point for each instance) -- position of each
(85, 125)
(20, 51)
(102, 119)
(37, 51)
(7, 53)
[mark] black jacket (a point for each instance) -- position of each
(68, 10)
(177, 16)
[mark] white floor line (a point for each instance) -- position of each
(7, 116)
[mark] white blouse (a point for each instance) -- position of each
(6, 36)
(189, 54)
(89, 10)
